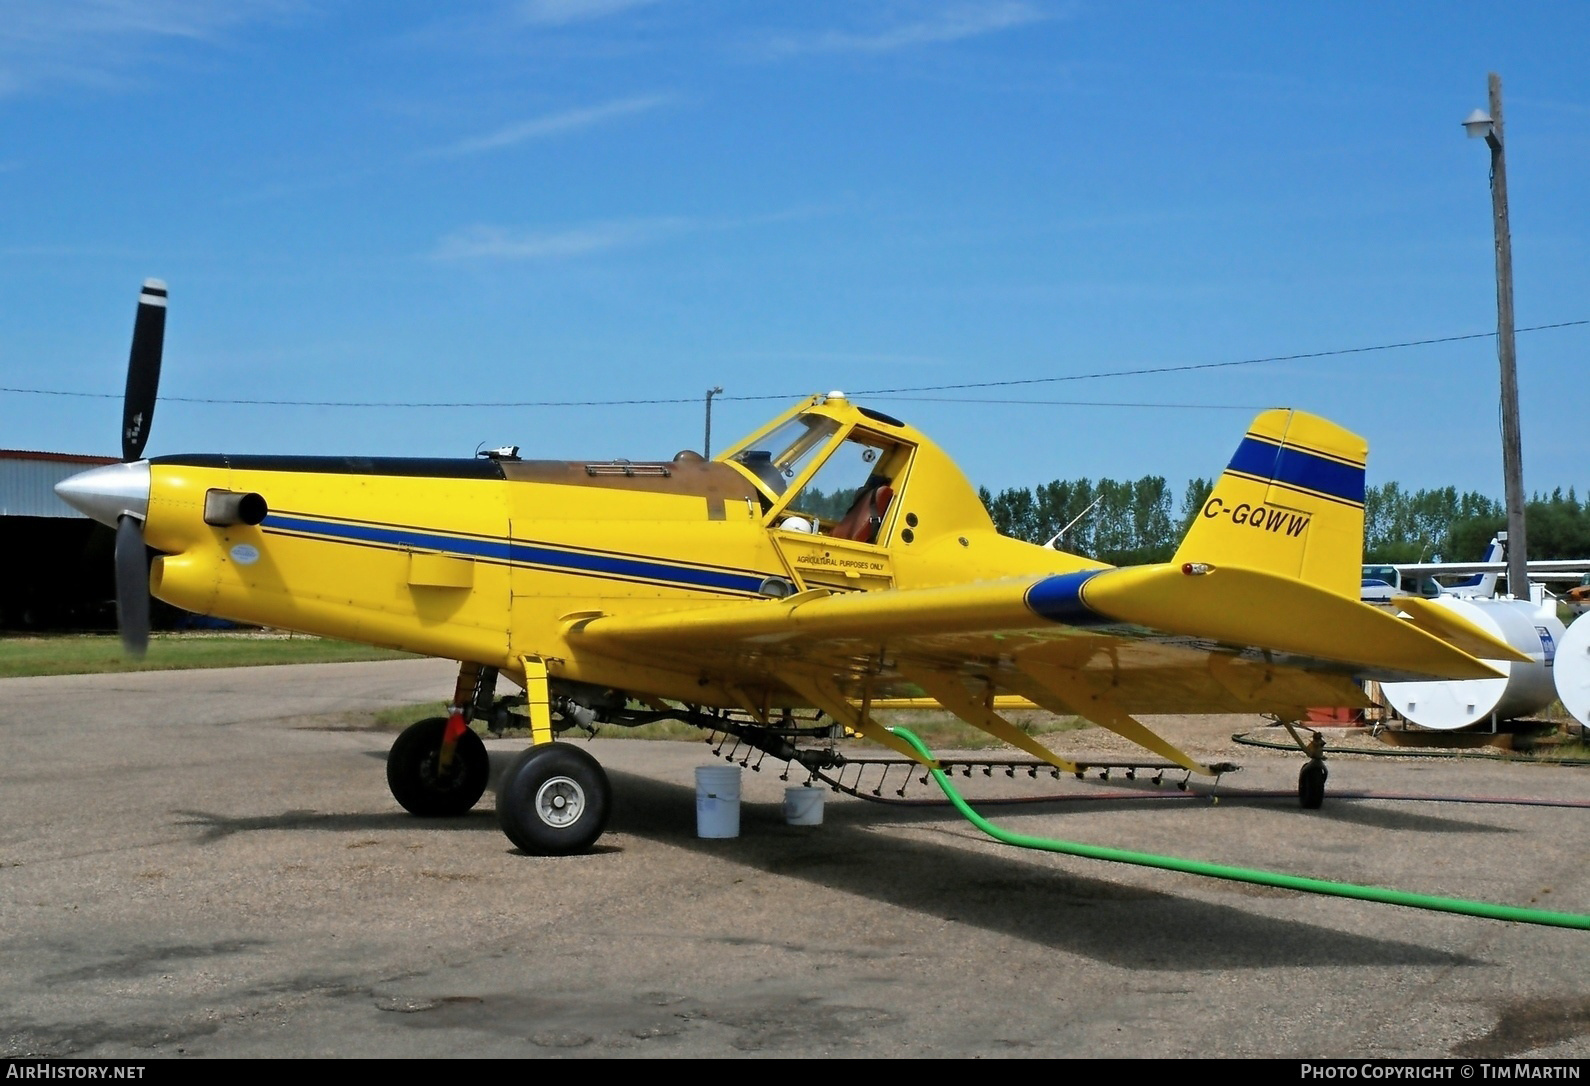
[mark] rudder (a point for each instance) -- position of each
(1291, 502)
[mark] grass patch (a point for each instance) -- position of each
(1559, 739)
(1575, 751)
(938, 729)
(401, 716)
(89, 654)
(662, 729)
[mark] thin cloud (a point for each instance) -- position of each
(504, 243)
(839, 358)
(301, 185)
(498, 243)
(94, 42)
(564, 12)
(553, 124)
(951, 23)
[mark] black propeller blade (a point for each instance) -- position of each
(138, 409)
(143, 369)
(132, 586)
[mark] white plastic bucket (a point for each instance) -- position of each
(718, 801)
(803, 806)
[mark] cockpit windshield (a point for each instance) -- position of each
(787, 451)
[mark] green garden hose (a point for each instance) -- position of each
(1246, 874)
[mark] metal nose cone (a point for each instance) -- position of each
(110, 492)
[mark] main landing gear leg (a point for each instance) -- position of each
(438, 767)
(554, 798)
(1311, 779)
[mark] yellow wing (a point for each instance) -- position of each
(1102, 644)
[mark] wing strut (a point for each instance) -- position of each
(952, 694)
(825, 695)
(758, 711)
(1068, 692)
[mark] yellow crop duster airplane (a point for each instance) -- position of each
(719, 592)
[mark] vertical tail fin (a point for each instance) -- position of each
(1496, 552)
(1479, 584)
(1291, 502)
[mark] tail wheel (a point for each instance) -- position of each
(1311, 784)
(554, 800)
(414, 773)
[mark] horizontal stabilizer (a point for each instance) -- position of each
(1250, 607)
(1455, 630)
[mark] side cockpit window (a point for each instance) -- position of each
(849, 495)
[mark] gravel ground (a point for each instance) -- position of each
(210, 865)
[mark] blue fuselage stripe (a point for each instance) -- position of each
(1299, 468)
(1059, 599)
(510, 552)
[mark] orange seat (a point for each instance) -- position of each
(866, 514)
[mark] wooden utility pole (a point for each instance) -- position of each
(1479, 123)
(1512, 444)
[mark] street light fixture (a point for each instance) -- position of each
(706, 451)
(1488, 126)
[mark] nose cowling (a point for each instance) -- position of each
(110, 492)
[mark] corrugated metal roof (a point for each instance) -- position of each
(27, 482)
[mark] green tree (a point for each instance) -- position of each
(1014, 512)
(1130, 522)
(1193, 500)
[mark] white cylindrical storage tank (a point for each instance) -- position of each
(1522, 691)
(1572, 670)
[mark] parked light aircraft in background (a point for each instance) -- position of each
(626, 591)
(1389, 581)
(1577, 598)
(1385, 582)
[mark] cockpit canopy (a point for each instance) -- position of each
(823, 469)
(838, 469)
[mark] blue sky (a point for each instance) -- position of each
(555, 202)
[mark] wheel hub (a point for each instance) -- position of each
(560, 801)
(434, 776)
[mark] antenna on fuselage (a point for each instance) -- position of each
(1061, 533)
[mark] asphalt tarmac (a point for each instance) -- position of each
(208, 864)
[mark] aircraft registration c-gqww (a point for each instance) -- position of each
(718, 593)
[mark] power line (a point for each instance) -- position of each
(1073, 403)
(894, 392)
(1147, 370)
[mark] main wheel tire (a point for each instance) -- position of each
(1311, 784)
(414, 775)
(554, 800)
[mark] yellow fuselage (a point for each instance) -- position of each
(493, 562)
